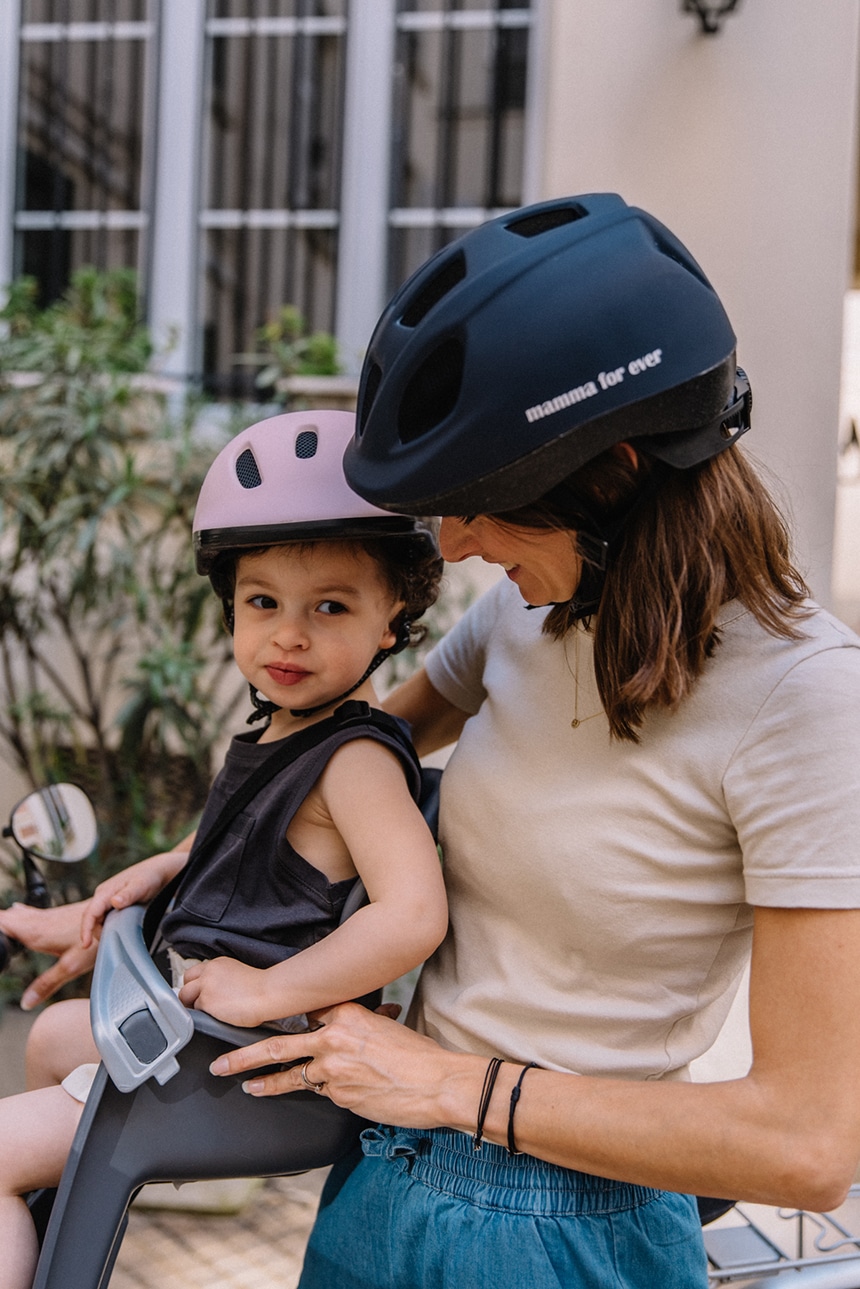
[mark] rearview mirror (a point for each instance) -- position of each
(56, 823)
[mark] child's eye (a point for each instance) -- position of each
(263, 602)
(331, 606)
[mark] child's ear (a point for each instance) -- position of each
(398, 635)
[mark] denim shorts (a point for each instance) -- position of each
(422, 1210)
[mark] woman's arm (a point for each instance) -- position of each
(67, 931)
(364, 792)
(435, 722)
(787, 1133)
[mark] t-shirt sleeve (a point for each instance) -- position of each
(793, 787)
(455, 666)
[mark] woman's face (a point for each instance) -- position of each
(542, 561)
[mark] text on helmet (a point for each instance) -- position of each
(589, 388)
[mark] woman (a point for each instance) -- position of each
(656, 775)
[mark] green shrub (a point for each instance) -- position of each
(94, 326)
(116, 670)
(285, 348)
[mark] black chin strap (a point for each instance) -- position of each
(376, 661)
(265, 709)
(598, 545)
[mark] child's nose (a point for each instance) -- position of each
(290, 632)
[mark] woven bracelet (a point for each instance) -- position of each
(490, 1077)
(515, 1096)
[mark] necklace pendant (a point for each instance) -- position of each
(575, 723)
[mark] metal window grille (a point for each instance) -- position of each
(82, 184)
(457, 154)
(208, 146)
(272, 158)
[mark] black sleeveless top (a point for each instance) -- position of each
(256, 898)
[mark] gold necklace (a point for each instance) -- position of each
(577, 719)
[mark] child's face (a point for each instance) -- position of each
(309, 620)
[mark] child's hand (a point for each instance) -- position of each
(137, 884)
(229, 990)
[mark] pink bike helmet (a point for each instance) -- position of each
(281, 481)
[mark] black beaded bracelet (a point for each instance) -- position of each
(515, 1096)
(490, 1077)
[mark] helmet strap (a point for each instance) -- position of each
(598, 545)
(403, 633)
(263, 709)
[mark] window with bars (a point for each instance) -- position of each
(459, 119)
(271, 157)
(279, 130)
(82, 170)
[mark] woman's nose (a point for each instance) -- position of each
(456, 541)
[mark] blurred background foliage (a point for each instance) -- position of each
(116, 670)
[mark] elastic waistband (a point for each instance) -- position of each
(445, 1160)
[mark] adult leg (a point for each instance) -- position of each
(60, 1040)
(424, 1209)
(36, 1132)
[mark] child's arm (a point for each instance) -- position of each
(364, 791)
(137, 884)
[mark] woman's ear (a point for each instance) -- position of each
(626, 452)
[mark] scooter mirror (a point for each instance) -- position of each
(56, 823)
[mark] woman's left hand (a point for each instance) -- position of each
(367, 1063)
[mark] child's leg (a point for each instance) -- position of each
(60, 1039)
(36, 1131)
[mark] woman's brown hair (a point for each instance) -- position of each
(700, 538)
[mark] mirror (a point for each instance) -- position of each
(56, 823)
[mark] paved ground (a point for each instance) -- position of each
(261, 1247)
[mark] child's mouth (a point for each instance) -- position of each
(286, 675)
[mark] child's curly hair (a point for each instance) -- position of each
(412, 570)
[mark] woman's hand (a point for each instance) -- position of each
(369, 1064)
(55, 931)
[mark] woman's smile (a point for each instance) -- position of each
(542, 562)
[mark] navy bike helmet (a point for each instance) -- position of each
(532, 344)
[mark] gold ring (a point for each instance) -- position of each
(309, 1083)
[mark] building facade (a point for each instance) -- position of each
(244, 154)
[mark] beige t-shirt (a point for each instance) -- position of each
(600, 891)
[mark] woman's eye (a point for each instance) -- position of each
(263, 602)
(331, 606)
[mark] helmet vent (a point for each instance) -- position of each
(432, 392)
(246, 470)
(674, 251)
(451, 272)
(306, 444)
(544, 221)
(371, 385)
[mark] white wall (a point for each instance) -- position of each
(743, 143)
